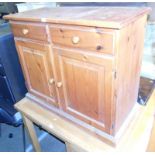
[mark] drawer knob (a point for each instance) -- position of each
(51, 81)
(75, 39)
(25, 31)
(59, 84)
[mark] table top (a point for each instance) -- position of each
(135, 138)
(107, 17)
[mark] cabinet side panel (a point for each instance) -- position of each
(130, 42)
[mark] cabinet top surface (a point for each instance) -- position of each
(109, 17)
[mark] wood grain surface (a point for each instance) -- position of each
(92, 39)
(35, 59)
(87, 86)
(128, 66)
(136, 138)
(85, 61)
(89, 16)
(32, 31)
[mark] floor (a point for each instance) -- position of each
(11, 140)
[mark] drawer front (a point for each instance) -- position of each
(29, 30)
(92, 39)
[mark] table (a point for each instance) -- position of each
(136, 137)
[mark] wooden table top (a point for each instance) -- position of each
(136, 137)
(108, 17)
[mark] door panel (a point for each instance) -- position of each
(82, 87)
(36, 62)
(86, 86)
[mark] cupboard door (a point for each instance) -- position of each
(84, 83)
(37, 67)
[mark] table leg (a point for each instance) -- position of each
(31, 131)
(151, 144)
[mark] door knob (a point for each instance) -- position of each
(25, 31)
(59, 84)
(75, 39)
(51, 81)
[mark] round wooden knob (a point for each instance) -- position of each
(59, 84)
(51, 81)
(75, 39)
(25, 31)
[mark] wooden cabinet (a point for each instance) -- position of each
(85, 61)
(37, 67)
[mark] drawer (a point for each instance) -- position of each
(29, 30)
(92, 39)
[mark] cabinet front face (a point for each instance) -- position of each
(84, 84)
(36, 63)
